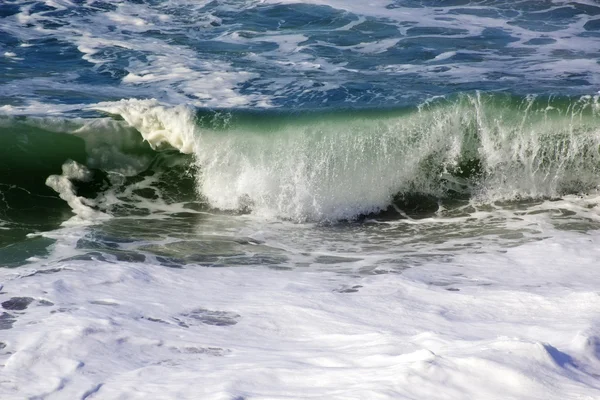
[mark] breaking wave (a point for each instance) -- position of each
(324, 166)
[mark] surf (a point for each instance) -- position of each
(340, 165)
(324, 166)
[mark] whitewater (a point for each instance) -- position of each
(318, 199)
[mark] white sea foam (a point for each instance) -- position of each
(519, 324)
(173, 66)
(159, 125)
(63, 185)
(181, 74)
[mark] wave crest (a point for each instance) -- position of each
(340, 165)
(332, 166)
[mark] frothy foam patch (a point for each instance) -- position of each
(263, 54)
(158, 124)
(182, 73)
(63, 185)
(463, 328)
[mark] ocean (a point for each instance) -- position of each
(300, 199)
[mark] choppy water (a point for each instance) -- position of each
(320, 199)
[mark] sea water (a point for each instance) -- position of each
(325, 199)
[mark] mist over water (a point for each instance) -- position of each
(285, 199)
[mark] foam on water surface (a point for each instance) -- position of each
(520, 323)
(284, 53)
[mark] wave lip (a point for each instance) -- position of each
(159, 125)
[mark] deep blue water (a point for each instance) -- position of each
(337, 54)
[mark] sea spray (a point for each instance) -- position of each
(335, 166)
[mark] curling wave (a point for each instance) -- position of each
(340, 165)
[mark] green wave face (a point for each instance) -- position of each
(32, 149)
(315, 166)
(28, 155)
(339, 165)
